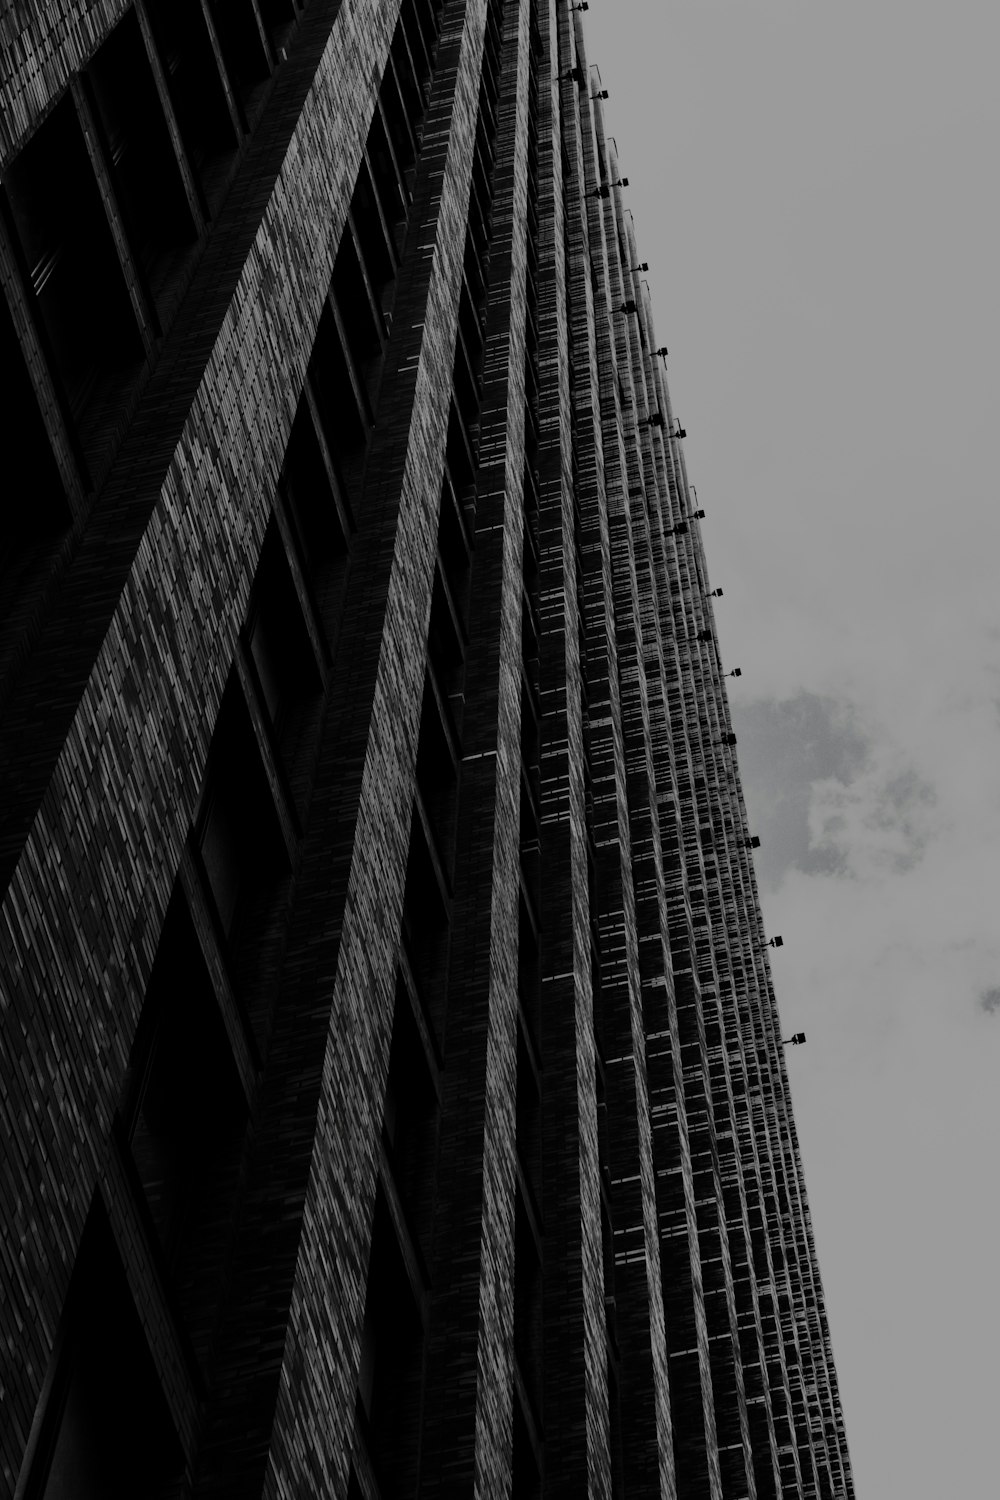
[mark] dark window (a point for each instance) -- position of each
(73, 268)
(375, 247)
(185, 1116)
(147, 179)
(410, 1119)
(527, 1304)
(279, 19)
(615, 1434)
(461, 453)
(34, 504)
(313, 487)
(389, 186)
(411, 93)
(437, 777)
(107, 1434)
(238, 28)
(529, 1138)
(239, 836)
(528, 973)
(391, 1369)
(526, 1478)
(196, 90)
(282, 653)
(425, 924)
(396, 114)
(446, 646)
(342, 404)
(360, 316)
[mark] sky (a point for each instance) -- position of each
(815, 190)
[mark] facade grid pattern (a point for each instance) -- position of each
(391, 1071)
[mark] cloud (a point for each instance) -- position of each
(882, 836)
(989, 1000)
(788, 746)
(882, 819)
(832, 793)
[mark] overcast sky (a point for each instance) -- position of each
(815, 189)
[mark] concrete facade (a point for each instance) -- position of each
(392, 1084)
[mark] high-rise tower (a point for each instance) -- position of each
(392, 1087)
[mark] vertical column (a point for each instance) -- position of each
(644, 1448)
(468, 1432)
(740, 1147)
(323, 1100)
(776, 1251)
(763, 1223)
(576, 1381)
(720, 1239)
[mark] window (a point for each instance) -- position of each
(35, 508)
(196, 89)
(185, 1115)
(239, 838)
(283, 658)
(73, 270)
(144, 169)
(107, 1432)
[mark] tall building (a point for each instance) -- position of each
(393, 1093)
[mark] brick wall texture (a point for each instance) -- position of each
(515, 1202)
